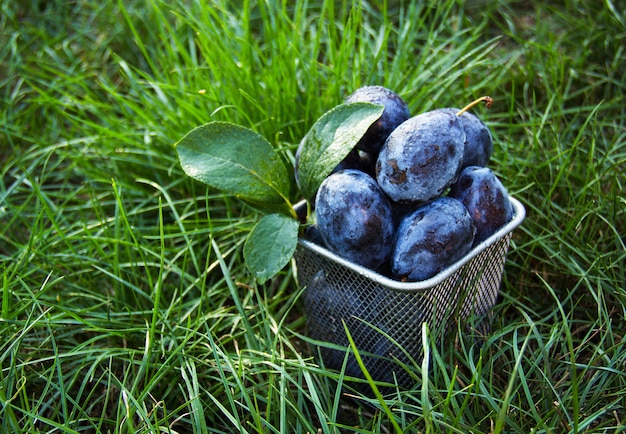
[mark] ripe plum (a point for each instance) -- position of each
(478, 140)
(396, 111)
(431, 238)
(354, 218)
(422, 157)
(329, 305)
(485, 198)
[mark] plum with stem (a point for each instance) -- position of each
(422, 157)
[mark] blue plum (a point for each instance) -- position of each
(478, 140)
(329, 305)
(431, 238)
(422, 157)
(485, 198)
(354, 218)
(396, 111)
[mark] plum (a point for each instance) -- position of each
(478, 139)
(354, 218)
(431, 238)
(396, 111)
(401, 314)
(422, 157)
(485, 198)
(328, 306)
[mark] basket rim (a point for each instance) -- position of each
(518, 216)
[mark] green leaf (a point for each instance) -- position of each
(330, 140)
(236, 161)
(270, 245)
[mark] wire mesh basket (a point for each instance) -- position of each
(383, 316)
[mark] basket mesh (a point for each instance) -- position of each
(386, 322)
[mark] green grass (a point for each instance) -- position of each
(125, 304)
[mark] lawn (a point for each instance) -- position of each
(126, 305)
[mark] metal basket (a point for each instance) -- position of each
(385, 316)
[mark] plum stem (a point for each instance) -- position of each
(488, 102)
